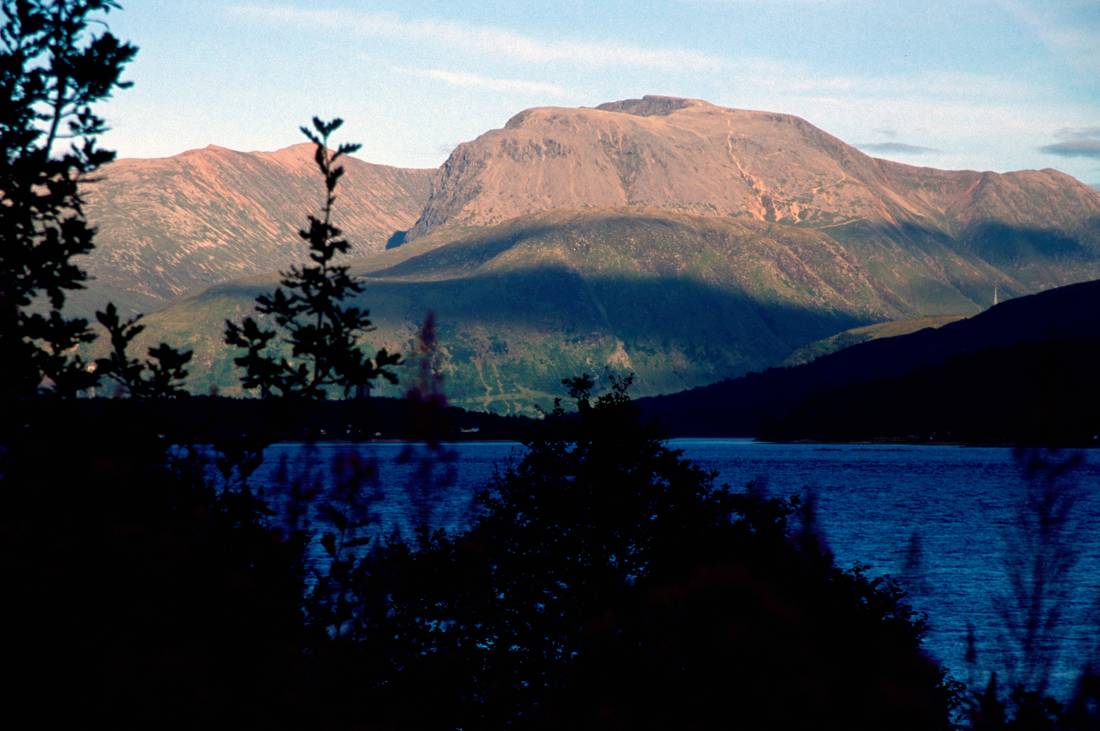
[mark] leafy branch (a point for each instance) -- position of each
(161, 376)
(308, 310)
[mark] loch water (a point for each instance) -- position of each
(944, 520)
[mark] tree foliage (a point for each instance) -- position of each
(608, 583)
(433, 463)
(309, 310)
(53, 70)
(1042, 546)
(161, 376)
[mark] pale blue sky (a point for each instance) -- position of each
(986, 84)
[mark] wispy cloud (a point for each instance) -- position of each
(1076, 142)
(1067, 37)
(799, 79)
(896, 148)
(464, 79)
(1077, 133)
(757, 72)
(1074, 148)
(487, 39)
(973, 134)
(969, 116)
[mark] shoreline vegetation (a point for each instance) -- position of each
(212, 419)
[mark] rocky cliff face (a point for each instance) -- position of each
(173, 226)
(688, 156)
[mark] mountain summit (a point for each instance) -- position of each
(689, 156)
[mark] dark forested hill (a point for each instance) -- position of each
(1025, 368)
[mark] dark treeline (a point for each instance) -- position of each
(604, 582)
(212, 419)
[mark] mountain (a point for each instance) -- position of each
(678, 299)
(173, 226)
(1004, 372)
(688, 156)
(684, 241)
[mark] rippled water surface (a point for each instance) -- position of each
(961, 502)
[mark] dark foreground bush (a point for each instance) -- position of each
(137, 595)
(609, 584)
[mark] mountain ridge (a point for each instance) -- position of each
(172, 226)
(691, 156)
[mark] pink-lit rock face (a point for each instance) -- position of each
(688, 156)
(173, 226)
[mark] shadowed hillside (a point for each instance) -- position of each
(1034, 393)
(675, 299)
(680, 300)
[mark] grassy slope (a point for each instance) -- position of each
(857, 335)
(680, 300)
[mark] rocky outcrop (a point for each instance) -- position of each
(176, 225)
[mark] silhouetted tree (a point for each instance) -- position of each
(345, 513)
(1042, 548)
(1083, 710)
(162, 376)
(434, 468)
(53, 70)
(320, 330)
(608, 583)
(914, 573)
(142, 596)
